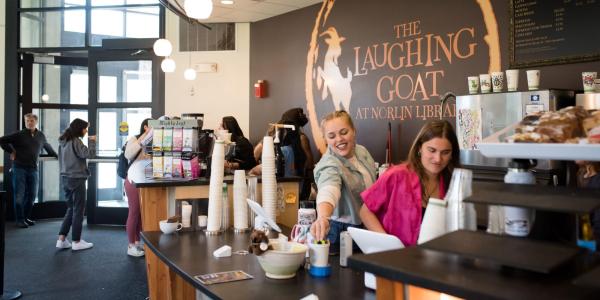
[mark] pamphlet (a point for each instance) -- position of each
(222, 277)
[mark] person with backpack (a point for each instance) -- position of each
(73, 155)
(134, 153)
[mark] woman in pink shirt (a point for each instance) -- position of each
(395, 204)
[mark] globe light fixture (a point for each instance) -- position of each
(45, 97)
(168, 65)
(189, 74)
(198, 9)
(162, 47)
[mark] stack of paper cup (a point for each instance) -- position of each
(269, 183)
(434, 221)
(215, 195)
(252, 195)
(240, 206)
(186, 214)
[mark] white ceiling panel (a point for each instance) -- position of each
(253, 10)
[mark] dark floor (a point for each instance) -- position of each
(40, 271)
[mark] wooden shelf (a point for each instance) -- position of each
(520, 253)
(558, 199)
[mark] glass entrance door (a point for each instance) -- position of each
(124, 89)
(56, 90)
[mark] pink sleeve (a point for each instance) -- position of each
(377, 197)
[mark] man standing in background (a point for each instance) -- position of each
(25, 147)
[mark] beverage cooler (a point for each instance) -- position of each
(481, 115)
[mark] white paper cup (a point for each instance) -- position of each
(512, 80)
(319, 254)
(186, 214)
(485, 81)
(473, 82)
(202, 220)
(168, 228)
(533, 79)
(497, 81)
(518, 221)
(589, 81)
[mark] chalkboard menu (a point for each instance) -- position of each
(544, 32)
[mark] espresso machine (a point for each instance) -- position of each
(481, 115)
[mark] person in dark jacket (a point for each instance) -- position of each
(243, 157)
(24, 148)
(74, 172)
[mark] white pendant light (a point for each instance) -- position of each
(189, 74)
(162, 47)
(168, 65)
(198, 9)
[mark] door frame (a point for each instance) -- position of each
(112, 51)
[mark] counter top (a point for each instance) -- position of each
(169, 182)
(475, 278)
(190, 254)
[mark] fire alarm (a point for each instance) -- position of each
(260, 89)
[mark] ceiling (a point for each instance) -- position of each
(253, 10)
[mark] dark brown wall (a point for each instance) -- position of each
(279, 47)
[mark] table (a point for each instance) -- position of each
(190, 253)
(157, 202)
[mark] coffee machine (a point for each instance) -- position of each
(481, 115)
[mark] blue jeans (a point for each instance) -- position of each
(25, 188)
(335, 228)
(75, 194)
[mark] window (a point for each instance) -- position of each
(62, 24)
(194, 37)
(65, 84)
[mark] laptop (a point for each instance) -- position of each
(373, 242)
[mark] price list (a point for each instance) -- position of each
(554, 31)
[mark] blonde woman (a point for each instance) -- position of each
(344, 171)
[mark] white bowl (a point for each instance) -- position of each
(284, 260)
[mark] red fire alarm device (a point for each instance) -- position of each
(260, 89)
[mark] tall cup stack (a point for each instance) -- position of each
(215, 194)
(269, 183)
(240, 206)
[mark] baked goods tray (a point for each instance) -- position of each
(590, 152)
(492, 147)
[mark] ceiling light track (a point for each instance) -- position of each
(176, 8)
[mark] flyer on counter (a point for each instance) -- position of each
(222, 277)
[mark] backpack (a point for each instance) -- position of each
(123, 164)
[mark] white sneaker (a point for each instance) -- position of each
(63, 244)
(135, 251)
(81, 245)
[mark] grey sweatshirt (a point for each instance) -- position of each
(72, 155)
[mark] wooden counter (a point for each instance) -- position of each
(157, 202)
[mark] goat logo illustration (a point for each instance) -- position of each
(329, 78)
(325, 78)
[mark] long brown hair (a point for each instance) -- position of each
(435, 129)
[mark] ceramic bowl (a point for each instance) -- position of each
(284, 260)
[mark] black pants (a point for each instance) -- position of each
(75, 197)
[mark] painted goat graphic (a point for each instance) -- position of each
(331, 75)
